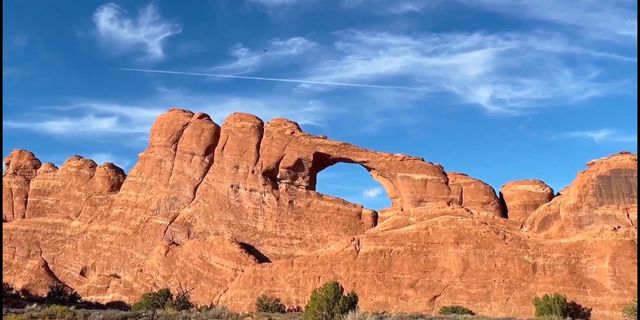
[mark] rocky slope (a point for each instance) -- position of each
(232, 212)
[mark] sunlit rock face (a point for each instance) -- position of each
(522, 197)
(232, 212)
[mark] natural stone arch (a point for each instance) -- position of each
(290, 156)
(321, 161)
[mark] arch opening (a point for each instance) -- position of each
(352, 182)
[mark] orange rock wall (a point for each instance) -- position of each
(232, 212)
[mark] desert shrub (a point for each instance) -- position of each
(216, 312)
(153, 300)
(170, 314)
(205, 308)
(81, 314)
(56, 312)
(356, 315)
(551, 305)
(631, 310)
(8, 291)
(577, 311)
(416, 316)
(119, 305)
(180, 303)
(550, 318)
(399, 316)
(61, 294)
(163, 300)
(116, 315)
(26, 294)
(455, 309)
(329, 303)
(291, 309)
(52, 312)
(269, 304)
(182, 300)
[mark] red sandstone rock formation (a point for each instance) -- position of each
(475, 195)
(21, 169)
(522, 197)
(232, 211)
(604, 196)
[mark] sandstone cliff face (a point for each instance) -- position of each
(232, 211)
(604, 196)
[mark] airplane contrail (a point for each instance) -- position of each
(361, 85)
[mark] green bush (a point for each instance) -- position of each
(59, 293)
(270, 304)
(329, 303)
(631, 310)
(454, 309)
(551, 305)
(164, 300)
(56, 312)
(153, 300)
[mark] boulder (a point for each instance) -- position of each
(474, 194)
(522, 197)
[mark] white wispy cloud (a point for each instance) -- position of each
(121, 33)
(247, 60)
(501, 72)
(271, 4)
(72, 125)
(97, 117)
(394, 7)
(612, 20)
(601, 135)
(506, 72)
(372, 192)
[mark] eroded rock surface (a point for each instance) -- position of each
(232, 212)
(21, 167)
(522, 197)
(604, 196)
(475, 195)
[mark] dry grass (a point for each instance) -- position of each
(214, 313)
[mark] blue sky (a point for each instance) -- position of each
(498, 89)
